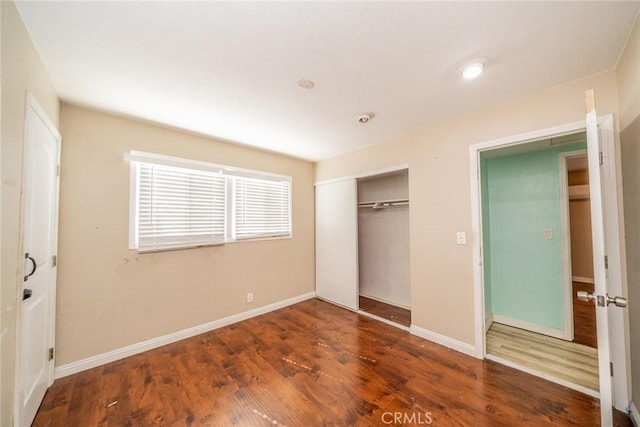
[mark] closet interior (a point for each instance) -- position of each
(383, 247)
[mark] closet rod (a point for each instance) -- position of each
(383, 203)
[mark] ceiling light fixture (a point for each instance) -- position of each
(472, 70)
(306, 84)
(364, 118)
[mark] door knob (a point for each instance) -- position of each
(618, 301)
(586, 297)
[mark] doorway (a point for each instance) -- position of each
(383, 247)
(579, 217)
(36, 320)
(605, 178)
(527, 259)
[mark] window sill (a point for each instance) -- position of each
(180, 248)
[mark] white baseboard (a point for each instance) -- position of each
(488, 321)
(582, 279)
(435, 337)
(528, 326)
(130, 350)
(634, 415)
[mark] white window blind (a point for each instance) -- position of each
(262, 208)
(179, 207)
(182, 203)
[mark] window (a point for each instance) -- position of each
(178, 203)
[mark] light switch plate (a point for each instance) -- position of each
(548, 234)
(461, 238)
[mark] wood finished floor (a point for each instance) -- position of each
(584, 317)
(399, 315)
(566, 360)
(311, 364)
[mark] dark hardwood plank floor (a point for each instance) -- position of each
(584, 317)
(311, 364)
(398, 315)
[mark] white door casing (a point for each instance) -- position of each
(36, 318)
(337, 242)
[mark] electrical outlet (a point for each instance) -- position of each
(548, 234)
(249, 297)
(461, 238)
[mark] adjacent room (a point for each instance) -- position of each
(319, 213)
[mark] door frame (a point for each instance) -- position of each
(615, 250)
(32, 104)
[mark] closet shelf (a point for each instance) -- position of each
(381, 204)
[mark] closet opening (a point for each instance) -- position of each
(383, 247)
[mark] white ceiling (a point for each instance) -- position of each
(229, 69)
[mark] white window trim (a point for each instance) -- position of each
(137, 157)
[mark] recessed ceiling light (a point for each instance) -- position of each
(472, 70)
(306, 84)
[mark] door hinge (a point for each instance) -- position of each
(51, 353)
(611, 367)
(58, 169)
(606, 262)
(54, 260)
(600, 158)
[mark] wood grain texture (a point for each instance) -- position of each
(398, 315)
(569, 361)
(311, 364)
(584, 317)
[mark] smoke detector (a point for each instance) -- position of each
(364, 118)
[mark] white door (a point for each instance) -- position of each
(600, 264)
(36, 333)
(337, 242)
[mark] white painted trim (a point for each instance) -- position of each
(545, 376)
(488, 322)
(523, 138)
(451, 343)
(130, 350)
(633, 414)
(582, 279)
(477, 251)
(528, 326)
(383, 320)
(365, 174)
(565, 236)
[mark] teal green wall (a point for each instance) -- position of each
(523, 271)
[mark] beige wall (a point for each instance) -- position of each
(22, 70)
(628, 80)
(109, 296)
(439, 188)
